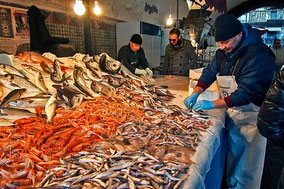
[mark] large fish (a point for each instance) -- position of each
(69, 95)
(12, 81)
(13, 95)
(50, 108)
(94, 68)
(108, 64)
(33, 70)
(82, 83)
(57, 75)
(13, 114)
(29, 102)
(7, 69)
(102, 88)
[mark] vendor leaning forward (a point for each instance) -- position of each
(133, 57)
(244, 68)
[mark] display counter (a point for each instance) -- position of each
(209, 159)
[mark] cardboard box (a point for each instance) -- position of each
(211, 93)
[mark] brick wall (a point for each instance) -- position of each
(103, 38)
(63, 25)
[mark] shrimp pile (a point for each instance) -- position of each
(33, 146)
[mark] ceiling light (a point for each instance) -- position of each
(97, 9)
(79, 8)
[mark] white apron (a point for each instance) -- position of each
(246, 147)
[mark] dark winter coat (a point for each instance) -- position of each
(132, 60)
(179, 61)
(40, 38)
(254, 72)
(270, 120)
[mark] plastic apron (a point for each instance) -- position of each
(246, 147)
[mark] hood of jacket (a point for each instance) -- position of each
(250, 36)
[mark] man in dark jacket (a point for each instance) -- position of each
(270, 122)
(132, 56)
(180, 55)
(244, 69)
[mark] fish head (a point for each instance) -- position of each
(108, 64)
(8, 77)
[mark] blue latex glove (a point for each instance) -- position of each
(191, 100)
(203, 105)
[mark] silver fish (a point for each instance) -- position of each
(29, 102)
(82, 83)
(13, 114)
(12, 81)
(7, 69)
(14, 94)
(33, 70)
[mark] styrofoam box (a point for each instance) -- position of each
(211, 93)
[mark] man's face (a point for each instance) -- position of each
(230, 44)
(174, 39)
(134, 47)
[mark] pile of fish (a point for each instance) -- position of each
(83, 78)
(66, 108)
(115, 169)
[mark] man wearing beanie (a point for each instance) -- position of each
(244, 69)
(132, 56)
(180, 55)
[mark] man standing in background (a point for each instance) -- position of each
(180, 55)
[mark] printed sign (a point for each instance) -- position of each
(21, 22)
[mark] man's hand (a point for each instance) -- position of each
(191, 100)
(140, 72)
(203, 105)
(149, 72)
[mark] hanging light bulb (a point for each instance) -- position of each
(169, 20)
(97, 9)
(79, 8)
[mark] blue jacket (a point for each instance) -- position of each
(254, 72)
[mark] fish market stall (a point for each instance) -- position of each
(87, 122)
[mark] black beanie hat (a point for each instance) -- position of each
(226, 26)
(136, 38)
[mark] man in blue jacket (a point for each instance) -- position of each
(244, 69)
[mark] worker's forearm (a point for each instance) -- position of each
(220, 103)
(198, 90)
